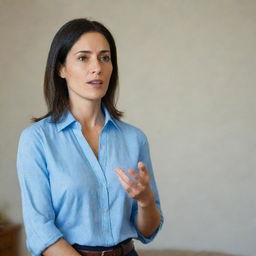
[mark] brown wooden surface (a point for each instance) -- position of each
(179, 253)
(9, 240)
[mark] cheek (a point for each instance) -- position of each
(76, 72)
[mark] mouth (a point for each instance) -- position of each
(95, 82)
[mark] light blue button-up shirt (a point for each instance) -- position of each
(67, 192)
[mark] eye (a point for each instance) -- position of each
(105, 58)
(82, 58)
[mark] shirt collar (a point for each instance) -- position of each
(108, 117)
(68, 119)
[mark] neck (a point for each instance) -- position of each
(88, 113)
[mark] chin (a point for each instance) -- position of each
(93, 97)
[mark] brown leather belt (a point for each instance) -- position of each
(122, 250)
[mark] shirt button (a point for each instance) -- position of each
(106, 209)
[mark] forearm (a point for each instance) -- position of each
(60, 248)
(148, 219)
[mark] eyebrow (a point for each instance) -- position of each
(84, 51)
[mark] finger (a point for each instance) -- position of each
(137, 177)
(143, 171)
(131, 189)
(142, 167)
(124, 177)
(124, 184)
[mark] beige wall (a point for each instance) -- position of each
(187, 75)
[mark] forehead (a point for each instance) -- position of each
(91, 41)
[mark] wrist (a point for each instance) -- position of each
(149, 202)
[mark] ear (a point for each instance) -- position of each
(62, 70)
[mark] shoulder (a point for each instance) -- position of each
(36, 131)
(131, 131)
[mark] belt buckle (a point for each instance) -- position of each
(103, 253)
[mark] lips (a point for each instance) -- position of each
(95, 82)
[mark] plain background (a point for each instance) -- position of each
(187, 79)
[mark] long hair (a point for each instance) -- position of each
(55, 87)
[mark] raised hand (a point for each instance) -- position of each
(139, 190)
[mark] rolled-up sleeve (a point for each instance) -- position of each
(38, 213)
(146, 159)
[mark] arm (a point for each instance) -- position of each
(148, 217)
(60, 248)
(148, 220)
(38, 211)
(146, 213)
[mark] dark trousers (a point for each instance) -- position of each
(132, 253)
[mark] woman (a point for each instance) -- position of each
(86, 176)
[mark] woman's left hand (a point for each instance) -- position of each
(140, 191)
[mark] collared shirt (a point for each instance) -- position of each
(68, 192)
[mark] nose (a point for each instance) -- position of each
(95, 67)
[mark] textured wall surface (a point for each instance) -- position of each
(187, 78)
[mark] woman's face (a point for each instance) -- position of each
(87, 68)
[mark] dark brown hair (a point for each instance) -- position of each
(55, 87)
